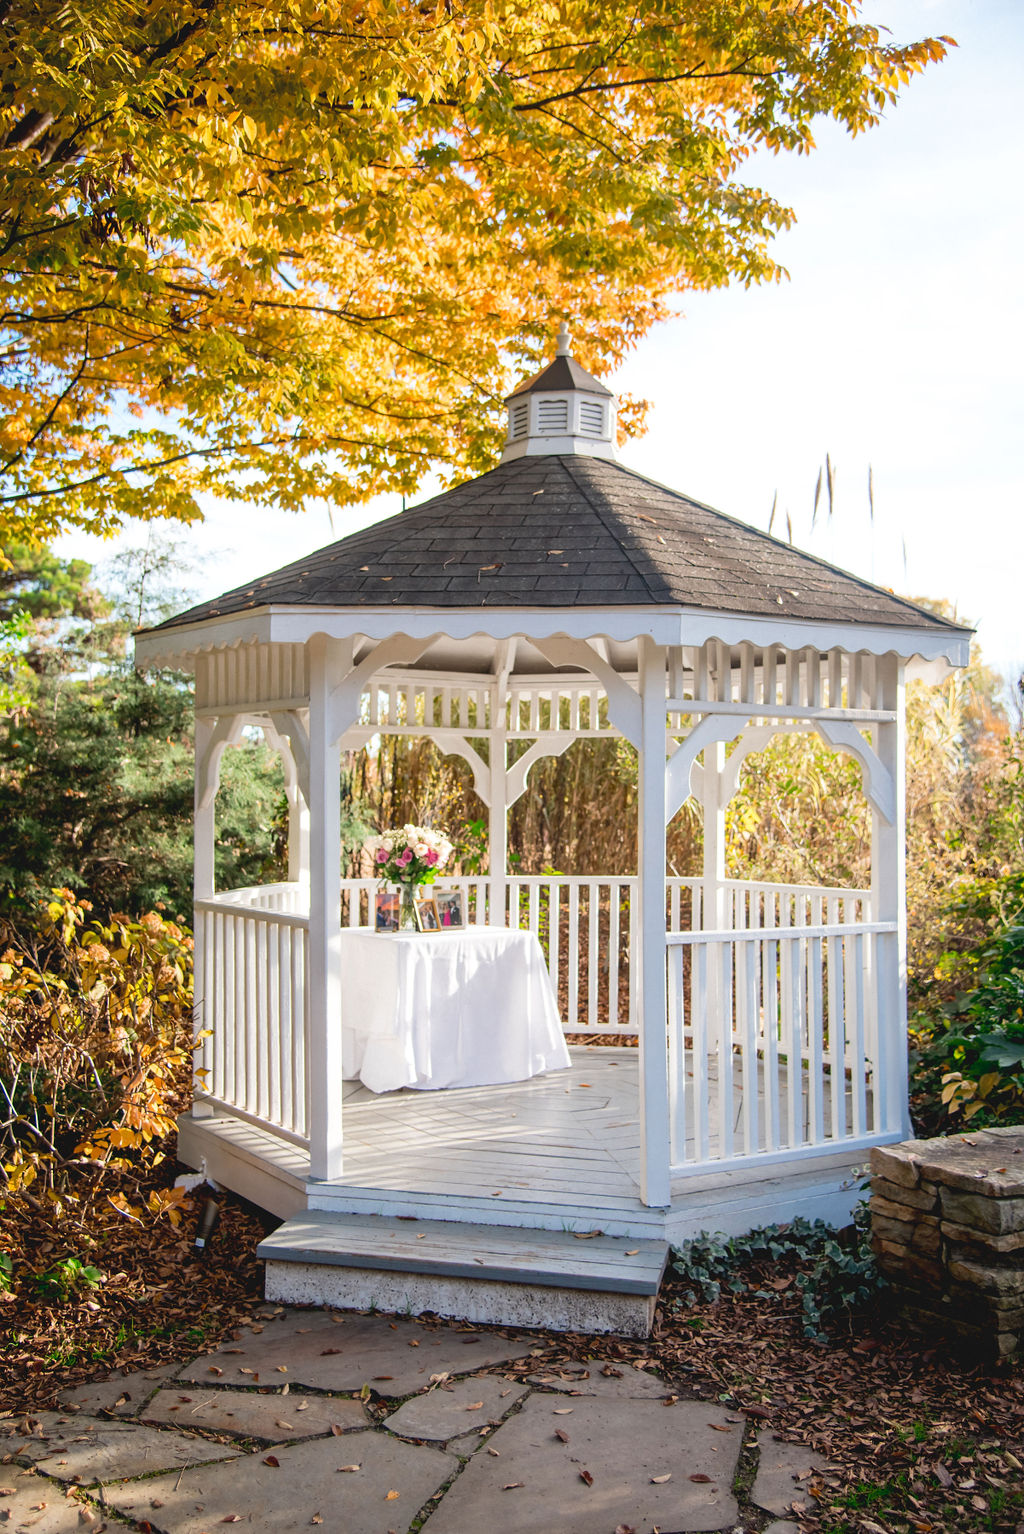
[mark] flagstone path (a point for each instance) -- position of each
(377, 1425)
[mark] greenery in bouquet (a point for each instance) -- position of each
(413, 855)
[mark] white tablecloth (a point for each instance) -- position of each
(447, 1009)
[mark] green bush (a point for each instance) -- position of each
(968, 1062)
(836, 1272)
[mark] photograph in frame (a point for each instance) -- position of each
(427, 919)
(449, 909)
(386, 910)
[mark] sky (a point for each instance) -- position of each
(895, 346)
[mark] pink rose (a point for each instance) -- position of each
(431, 857)
(381, 855)
(405, 858)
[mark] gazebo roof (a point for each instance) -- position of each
(569, 531)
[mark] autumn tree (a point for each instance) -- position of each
(284, 248)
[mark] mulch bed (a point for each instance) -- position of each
(923, 1442)
(160, 1301)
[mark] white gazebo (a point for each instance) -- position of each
(560, 597)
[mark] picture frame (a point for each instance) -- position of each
(427, 919)
(450, 911)
(386, 910)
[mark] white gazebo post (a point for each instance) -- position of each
(497, 823)
(203, 842)
(655, 1149)
(324, 958)
(889, 904)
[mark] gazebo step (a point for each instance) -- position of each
(478, 1273)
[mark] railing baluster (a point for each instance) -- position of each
(573, 958)
(676, 1053)
(748, 1010)
(614, 905)
(593, 952)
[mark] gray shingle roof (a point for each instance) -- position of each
(569, 531)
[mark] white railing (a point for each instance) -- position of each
(774, 1039)
(778, 981)
(252, 987)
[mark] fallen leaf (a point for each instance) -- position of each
(336, 1429)
(317, 1518)
(624, 1528)
(561, 1435)
(717, 1427)
(700, 1477)
(943, 1476)
(495, 1452)
(633, 1251)
(281, 1368)
(586, 1478)
(563, 1411)
(232, 1518)
(348, 1469)
(587, 1235)
(329, 1352)
(242, 1370)
(288, 1426)
(414, 1342)
(512, 1485)
(383, 1376)
(473, 1406)
(392, 1496)
(659, 1480)
(273, 1461)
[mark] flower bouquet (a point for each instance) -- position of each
(409, 858)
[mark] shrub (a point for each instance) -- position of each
(968, 1062)
(95, 1047)
(837, 1274)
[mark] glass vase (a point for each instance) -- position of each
(407, 908)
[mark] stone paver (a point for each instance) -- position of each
(346, 1352)
(535, 1480)
(582, 1448)
(776, 1486)
(274, 1418)
(121, 1394)
(36, 1506)
(442, 1414)
(306, 1485)
(85, 1449)
(621, 1381)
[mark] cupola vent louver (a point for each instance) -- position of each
(553, 415)
(520, 419)
(591, 419)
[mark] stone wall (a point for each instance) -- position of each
(947, 1222)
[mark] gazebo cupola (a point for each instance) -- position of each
(561, 409)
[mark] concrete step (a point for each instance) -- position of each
(478, 1273)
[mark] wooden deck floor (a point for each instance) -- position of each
(575, 1129)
